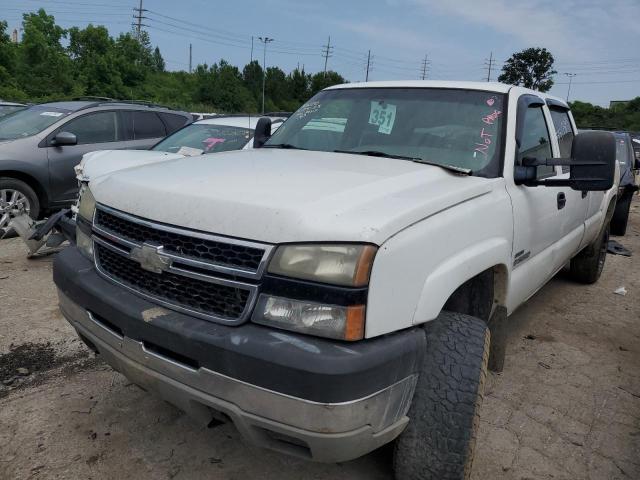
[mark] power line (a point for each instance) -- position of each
(489, 64)
(139, 17)
(425, 67)
(327, 52)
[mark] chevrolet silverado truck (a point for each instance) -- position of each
(347, 283)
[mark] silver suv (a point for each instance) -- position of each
(40, 145)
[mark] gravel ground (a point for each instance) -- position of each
(567, 405)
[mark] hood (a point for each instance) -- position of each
(276, 196)
(96, 164)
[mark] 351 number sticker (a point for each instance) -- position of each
(384, 115)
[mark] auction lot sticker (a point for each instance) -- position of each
(383, 115)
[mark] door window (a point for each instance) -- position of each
(535, 140)
(99, 127)
(173, 122)
(147, 125)
(564, 132)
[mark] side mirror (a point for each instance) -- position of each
(262, 133)
(593, 162)
(592, 165)
(64, 138)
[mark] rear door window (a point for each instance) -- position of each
(536, 142)
(564, 132)
(172, 121)
(147, 125)
(99, 127)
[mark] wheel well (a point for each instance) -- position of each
(479, 295)
(32, 182)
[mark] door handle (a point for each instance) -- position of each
(562, 200)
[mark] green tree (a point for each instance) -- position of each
(44, 67)
(276, 88)
(221, 85)
(530, 68)
(92, 51)
(323, 80)
(252, 78)
(299, 85)
(8, 62)
(134, 58)
(158, 61)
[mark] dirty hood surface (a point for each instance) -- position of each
(275, 195)
(95, 164)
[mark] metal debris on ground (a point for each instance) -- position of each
(620, 291)
(615, 248)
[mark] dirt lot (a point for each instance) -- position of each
(566, 407)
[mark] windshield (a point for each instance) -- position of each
(197, 139)
(7, 109)
(29, 121)
(460, 128)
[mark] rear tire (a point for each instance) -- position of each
(620, 217)
(586, 267)
(439, 441)
(8, 188)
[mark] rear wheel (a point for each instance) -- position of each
(621, 216)
(439, 441)
(586, 267)
(16, 197)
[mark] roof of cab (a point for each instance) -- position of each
(461, 85)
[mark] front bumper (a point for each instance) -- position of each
(320, 410)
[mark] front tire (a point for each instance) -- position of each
(439, 441)
(587, 266)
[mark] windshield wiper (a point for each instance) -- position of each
(288, 146)
(377, 153)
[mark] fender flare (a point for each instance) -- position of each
(455, 271)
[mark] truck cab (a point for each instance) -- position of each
(348, 282)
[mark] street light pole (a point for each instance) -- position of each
(570, 75)
(264, 40)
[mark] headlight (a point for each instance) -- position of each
(339, 264)
(332, 321)
(87, 205)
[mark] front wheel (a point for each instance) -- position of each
(439, 441)
(16, 197)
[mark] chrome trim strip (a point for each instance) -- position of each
(251, 300)
(230, 270)
(103, 326)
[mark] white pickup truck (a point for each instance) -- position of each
(347, 283)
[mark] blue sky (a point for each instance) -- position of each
(598, 40)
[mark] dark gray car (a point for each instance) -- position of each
(628, 182)
(40, 145)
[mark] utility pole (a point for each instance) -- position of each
(368, 65)
(190, 56)
(139, 17)
(570, 75)
(424, 70)
(488, 66)
(327, 51)
(251, 49)
(264, 40)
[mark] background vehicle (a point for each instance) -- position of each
(41, 145)
(628, 182)
(347, 283)
(9, 107)
(218, 134)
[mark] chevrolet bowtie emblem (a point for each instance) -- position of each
(151, 257)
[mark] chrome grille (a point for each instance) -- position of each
(221, 287)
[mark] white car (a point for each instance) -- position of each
(348, 283)
(219, 134)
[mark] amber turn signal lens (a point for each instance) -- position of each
(354, 328)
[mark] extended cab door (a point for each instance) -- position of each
(541, 216)
(94, 131)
